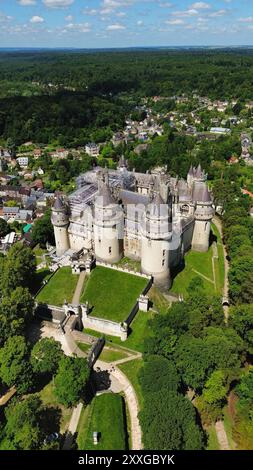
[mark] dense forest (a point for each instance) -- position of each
(69, 95)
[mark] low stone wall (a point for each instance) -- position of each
(51, 313)
(95, 351)
(121, 269)
(83, 337)
(104, 326)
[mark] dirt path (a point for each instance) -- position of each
(79, 289)
(222, 436)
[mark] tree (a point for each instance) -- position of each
(245, 388)
(168, 421)
(43, 231)
(45, 356)
(158, 373)
(22, 428)
(15, 312)
(19, 268)
(241, 319)
(15, 368)
(71, 380)
(4, 228)
(215, 389)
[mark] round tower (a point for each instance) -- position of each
(203, 216)
(108, 226)
(156, 232)
(60, 221)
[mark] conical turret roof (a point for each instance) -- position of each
(59, 205)
(190, 171)
(206, 195)
(156, 207)
(104, 197)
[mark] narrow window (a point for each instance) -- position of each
(110, 250)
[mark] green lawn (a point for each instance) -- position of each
(39, 252)
(110, 355)
(106, 415)
(61, 287)
(84, 347)
(202, 263)
(131, 370)
(112, 294)
(40, 276)
(139, 330)
(49, 400)
(219, 263)
(228, 425)
(212, 443)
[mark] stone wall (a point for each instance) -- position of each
(103, 326)
(123, 270)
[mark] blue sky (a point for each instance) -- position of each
(124, 23)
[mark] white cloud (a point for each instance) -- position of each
(201, 6)
(4, 17)
(57, 3)
(37, 19)
(140, 23)
(218, 13)
(27, 3)
(248, 19)
(177, 21)
(69, 18)
(78, 27)
(185, 13)
(115, 27)
(165, 4)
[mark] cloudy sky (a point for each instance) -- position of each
(123, 23)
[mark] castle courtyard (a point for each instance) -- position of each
(112, 294)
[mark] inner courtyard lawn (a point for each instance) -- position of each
(60, 287)
(112, 294)
(105, 415)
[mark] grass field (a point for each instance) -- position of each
(139, 330)
(84, 347)
(112, 294)
(106, 415)
(61, 287)
(49, 399)
(212, 443)
(219, 264)
(110, 355)
(40, 276)
(131, 370)
(200, 264)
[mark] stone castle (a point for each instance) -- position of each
(153, 218)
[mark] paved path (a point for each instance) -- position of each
(72, 427)
(79, 289)
(222, 436)
(120, 383)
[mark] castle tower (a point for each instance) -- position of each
(60, 221)
(203, 216)
(156, 235)
(108, 226)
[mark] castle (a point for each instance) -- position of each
(152, 217)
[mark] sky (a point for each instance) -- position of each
(125, 23)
